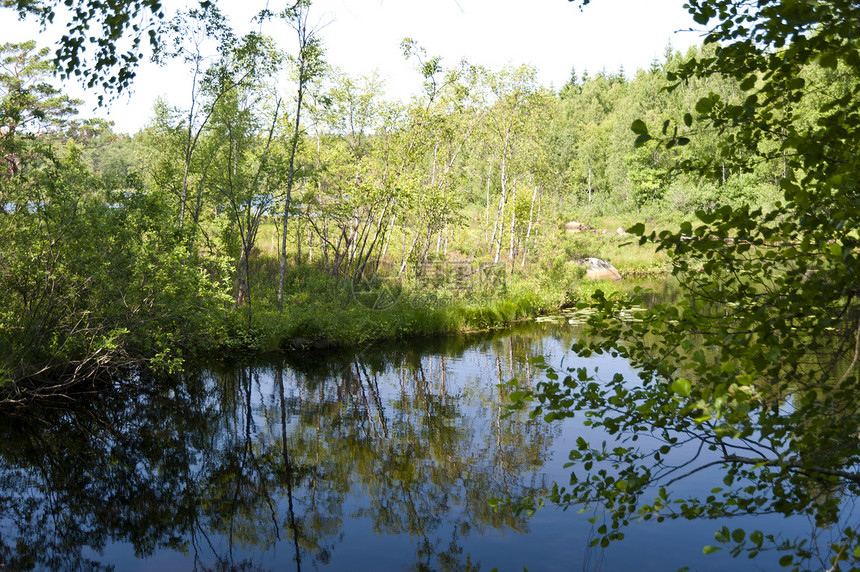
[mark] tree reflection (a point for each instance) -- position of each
(230, 465)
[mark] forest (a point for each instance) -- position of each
(277, 215)
(259, 213)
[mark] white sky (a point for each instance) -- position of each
(364, 35)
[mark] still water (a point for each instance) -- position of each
(377, 458)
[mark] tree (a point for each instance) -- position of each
(220, 151)
(245, 118)
(309, 66)
(356, 187)
(437, 131)
(189, 30)
(92, 279)
(519, 107)
(758, 361)
(30, 107)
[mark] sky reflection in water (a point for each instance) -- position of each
(391, 455)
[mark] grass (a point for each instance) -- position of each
(451, 295)
(326, 312)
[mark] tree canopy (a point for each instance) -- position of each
(105, 40)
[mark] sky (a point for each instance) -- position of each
(362, 36)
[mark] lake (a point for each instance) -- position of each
(382, 457)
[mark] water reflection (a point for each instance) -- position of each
(382, 458)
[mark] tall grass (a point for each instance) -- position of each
(460, 292)
(321, 311)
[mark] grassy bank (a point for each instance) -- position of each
(320, 311)
(451, 294)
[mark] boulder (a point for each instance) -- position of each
(621, 231)
(597, 269)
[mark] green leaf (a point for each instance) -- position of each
(641, 140)
(828, 60)
(688, 120)
(681, 387)
(786, 560)
(710, 549)
(749, 82)
(637, 228)
(704, 105)
(756, 537)
(639, 127)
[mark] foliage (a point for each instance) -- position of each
(114, 63)
(754, 371)
(94, 277)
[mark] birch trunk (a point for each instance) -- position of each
(529, 231)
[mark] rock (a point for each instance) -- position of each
(621, 231)
(574, 226)
(597, 269)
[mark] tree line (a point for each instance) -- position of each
(113, 241)
(278, 160)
